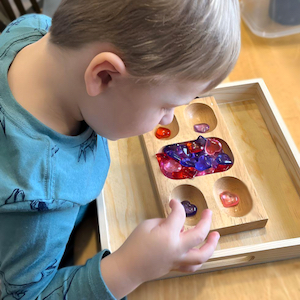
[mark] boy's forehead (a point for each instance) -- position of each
(182, 93)
(191, 87)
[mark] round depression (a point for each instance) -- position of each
(190, 193)
(235, 186)
(173, 127)
(199, 113)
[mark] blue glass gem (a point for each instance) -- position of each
(188, 162)
(224, 159)
(204, 162)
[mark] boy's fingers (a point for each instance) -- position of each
(176, 218)
(199, 256)
(198, 234)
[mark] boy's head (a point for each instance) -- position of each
(153, 44)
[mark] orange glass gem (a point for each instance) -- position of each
(229, 199)
(162, 133)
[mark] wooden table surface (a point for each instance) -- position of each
(278, 63)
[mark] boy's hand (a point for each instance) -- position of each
(156, 247)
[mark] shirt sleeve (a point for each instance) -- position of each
(31, 247)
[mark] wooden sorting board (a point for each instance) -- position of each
(272, 160)
(204, 191)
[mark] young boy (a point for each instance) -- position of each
(106, 69)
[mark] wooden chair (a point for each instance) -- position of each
(9, 11)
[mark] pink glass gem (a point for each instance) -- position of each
(202, 128)
(184, 173)
(212, 146)
(229, 199)
(172, 166)
(162, 133)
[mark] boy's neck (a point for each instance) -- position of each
(45, 82)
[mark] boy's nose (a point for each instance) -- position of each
(167, 118)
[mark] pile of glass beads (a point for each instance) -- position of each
(194, 158)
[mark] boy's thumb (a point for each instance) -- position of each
(176, 218)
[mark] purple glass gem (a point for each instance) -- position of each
(171, 150)
(224, 159)
(204, 162)
(214, 162)
(188, 162)
(201, 140)
(183, 151)
(190, 209)
(202, 128)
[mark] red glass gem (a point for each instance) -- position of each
(212, 146)
(194, 147)
(222, 168)
(185, 173)
(229, 199)
(162, 133)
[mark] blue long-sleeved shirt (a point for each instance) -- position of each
(45, 177)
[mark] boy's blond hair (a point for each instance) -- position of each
(184, 39)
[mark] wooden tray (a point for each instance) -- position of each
(204, 191)
(270, 156)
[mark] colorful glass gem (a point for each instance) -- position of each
(183, 151)
(190, 209)
(223, 159)
(214, 162)
(222, 168)
(185, 173)
(194, 147)
(212, 146)
(172, 166)
(201, 128)
(172, 151)
(203, 163)
(188, 162)
(173, 171)
(229, 199)
(197, 145)
(162, 133)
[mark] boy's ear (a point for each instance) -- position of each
(101, 72)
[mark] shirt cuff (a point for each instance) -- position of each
(96, 281)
